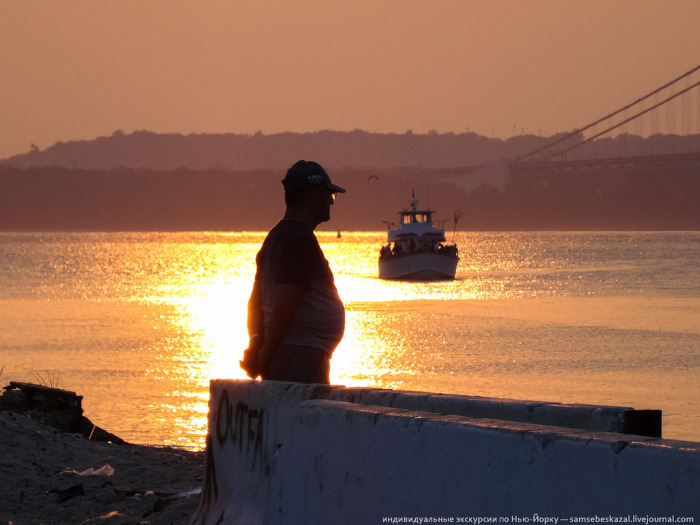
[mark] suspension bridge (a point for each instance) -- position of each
(659, 131)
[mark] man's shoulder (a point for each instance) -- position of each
(291, 231)
(290, 235)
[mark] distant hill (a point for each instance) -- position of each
(358, 149)
(334, 149)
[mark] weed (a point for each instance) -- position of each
(50, 380)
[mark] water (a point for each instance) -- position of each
(138, 323)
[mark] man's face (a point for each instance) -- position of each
(322, 199)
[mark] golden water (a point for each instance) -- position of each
(138, 323)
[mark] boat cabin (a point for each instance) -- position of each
(416, 223)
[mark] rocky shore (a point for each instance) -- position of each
(52, 476)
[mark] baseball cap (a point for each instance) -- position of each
(305, 174)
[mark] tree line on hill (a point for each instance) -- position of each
(334, 149)
(145, 149)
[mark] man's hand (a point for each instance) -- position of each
(249, 363)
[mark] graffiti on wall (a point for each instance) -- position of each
(244, 428)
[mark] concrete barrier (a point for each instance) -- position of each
(597, 418)
(286, 453)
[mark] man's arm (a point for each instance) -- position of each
(256, 321)
(283, 308)
(256, 326)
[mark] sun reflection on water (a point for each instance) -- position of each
(145, 320)
(210, 310)
(210, 323)
(445, 335)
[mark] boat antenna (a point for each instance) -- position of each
(457, 214)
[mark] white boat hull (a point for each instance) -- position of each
(419, 266)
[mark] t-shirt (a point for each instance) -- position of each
(291, 254)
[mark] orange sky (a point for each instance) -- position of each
(75, 70)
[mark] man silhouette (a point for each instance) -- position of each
(295, 316)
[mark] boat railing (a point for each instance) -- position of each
(399, 250)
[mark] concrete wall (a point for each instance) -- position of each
(286, 453)
(584, 417)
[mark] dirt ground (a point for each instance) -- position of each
(50, 477)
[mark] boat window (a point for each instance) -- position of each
(418, 218)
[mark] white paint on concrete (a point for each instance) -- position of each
(371, 462)
(285, 453)
(585, 417)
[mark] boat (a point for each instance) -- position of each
(416, 250)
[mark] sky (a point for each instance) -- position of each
(81, 69)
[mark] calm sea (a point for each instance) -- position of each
(138, 323)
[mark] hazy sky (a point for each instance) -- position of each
(74, 69)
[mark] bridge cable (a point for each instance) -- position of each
(577, 131)
(623, 122)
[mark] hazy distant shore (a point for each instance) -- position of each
(63, 199)
(146, 181)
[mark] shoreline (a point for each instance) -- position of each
(54, 477)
